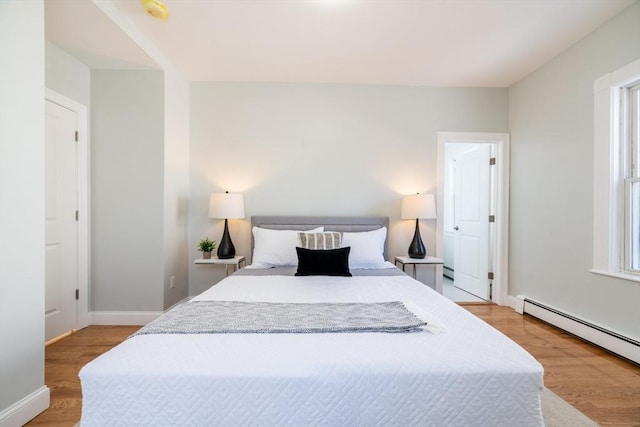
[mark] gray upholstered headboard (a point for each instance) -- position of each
(330, 223)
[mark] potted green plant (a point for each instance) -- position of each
(206, 246)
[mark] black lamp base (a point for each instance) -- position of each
(416, 248)
(226, 249)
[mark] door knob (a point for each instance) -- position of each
(456, 228)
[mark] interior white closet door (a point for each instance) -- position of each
(61, 226)
(472, 202)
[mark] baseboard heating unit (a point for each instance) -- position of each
(609, 340)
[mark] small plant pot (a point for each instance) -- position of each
(206, 255)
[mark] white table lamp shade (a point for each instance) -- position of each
(226, 205)
(418, 206)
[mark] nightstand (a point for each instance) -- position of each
(437, 264)
(236, 262)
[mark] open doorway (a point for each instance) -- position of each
(473, 199)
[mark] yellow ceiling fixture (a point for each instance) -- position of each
(155, 8)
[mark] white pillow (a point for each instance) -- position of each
(367, 248)
(276, 248)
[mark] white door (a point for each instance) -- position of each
(61, 226)
(472, 201)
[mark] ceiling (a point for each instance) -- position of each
(468, 43)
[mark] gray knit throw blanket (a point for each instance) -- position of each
(212, 317)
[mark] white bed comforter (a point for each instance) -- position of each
(468, 375)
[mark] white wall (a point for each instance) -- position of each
(305, 149)
(551, 121)
(66, 75)
(127, 195)
(176, 159)
(22, 390)
(176, 187)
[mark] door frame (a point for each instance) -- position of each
(501, 247)
(82, 312)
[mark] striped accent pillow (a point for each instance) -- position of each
(327, 240)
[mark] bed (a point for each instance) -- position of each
(455, 370)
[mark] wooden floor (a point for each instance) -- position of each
(602, 386)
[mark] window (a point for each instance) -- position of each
(630, 131)
(616, 219)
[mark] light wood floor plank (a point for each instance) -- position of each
(604, 387)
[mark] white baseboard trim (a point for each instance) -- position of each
(122, 317)
(609, 340)
(185, 299)
(513, 302)
(26, 408)
(517, 303)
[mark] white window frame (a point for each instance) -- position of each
(632, 176)
(610, 170)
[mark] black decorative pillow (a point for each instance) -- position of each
(323, 262)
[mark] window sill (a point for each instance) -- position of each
(618, 275)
